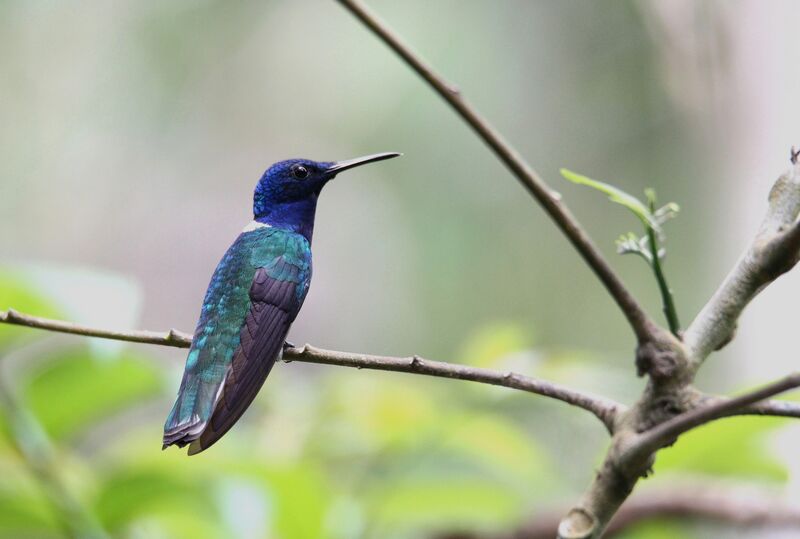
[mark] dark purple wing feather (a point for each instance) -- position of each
(274, 305)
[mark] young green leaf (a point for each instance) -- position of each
(630, 243)
(636, 206)
(647, 246)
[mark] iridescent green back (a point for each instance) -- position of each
(286, 258)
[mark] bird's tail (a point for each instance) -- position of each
(189, 415)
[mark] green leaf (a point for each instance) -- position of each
(630, 243)
(413, 506)
(302, 498)
(22, 515)
(490, 344)
(499, 444)
(296, 493)
(636, 206)
(397, 415)
(17, 292)
(176, 523)
(137, 493)
(76, 390)
(733, 447)
(657, 528)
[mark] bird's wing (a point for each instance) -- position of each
(248, 307)
(276, 295)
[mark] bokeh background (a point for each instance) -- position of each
(132, 134)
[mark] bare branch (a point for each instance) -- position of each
(774, 408)
(667, 432)
(636, 441)
(718, 503)
(604, 409)
(641, 323)
(173, 337)
(771, 408)
(666, 405)
(774, 251)
(608, 490)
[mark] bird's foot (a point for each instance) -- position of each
(287, 345)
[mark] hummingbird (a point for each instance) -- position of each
(253, 297)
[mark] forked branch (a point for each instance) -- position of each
(670, 365)
(645, 428)
(666, 433)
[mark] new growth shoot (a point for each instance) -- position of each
(647, 246)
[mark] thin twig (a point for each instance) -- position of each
(173, 337)
(771, 408)
(668, 302)
(666, 432)
(605, 409)
(774, 408)
(667, 299)
(547, 198)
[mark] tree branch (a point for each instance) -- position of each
(631, 454)
(710, 504)
(668, 431)
(774, 408)
(668, 406)
(642, 325)
(604, 409)
(173, 337)
(642, 431)
(774, 251)
(737, 507)
(670, 365)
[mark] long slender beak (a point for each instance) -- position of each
(339, 166)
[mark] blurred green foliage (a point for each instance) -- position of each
(134, 133)
(348, 455)
(377, 456)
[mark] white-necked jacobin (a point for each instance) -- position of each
(254, 296)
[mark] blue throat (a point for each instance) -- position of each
(297, 216)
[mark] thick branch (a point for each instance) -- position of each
(631, 454)
(774, 251)
(605, 409)
(547, 198)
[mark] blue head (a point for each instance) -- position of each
(286, 195)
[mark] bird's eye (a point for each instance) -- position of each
(299, 172)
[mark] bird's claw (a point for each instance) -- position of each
(287, 345)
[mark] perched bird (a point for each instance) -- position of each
(254, 296)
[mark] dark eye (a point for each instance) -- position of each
(299, 172)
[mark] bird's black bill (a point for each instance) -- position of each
(339, 166)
